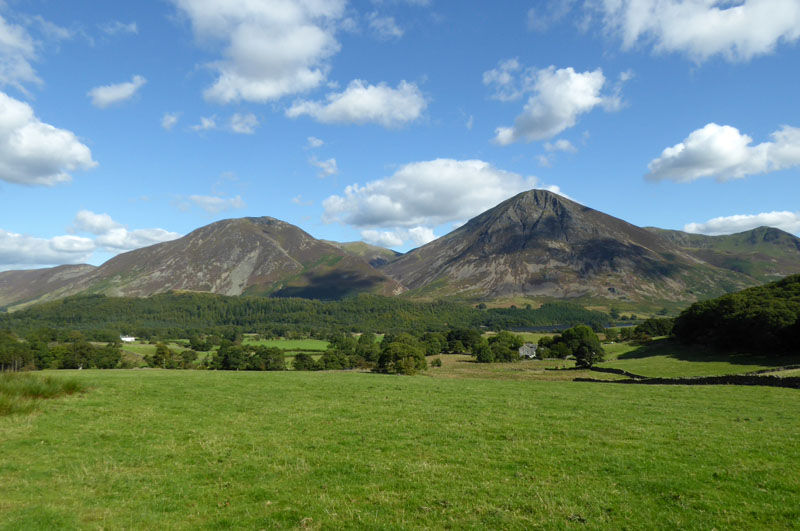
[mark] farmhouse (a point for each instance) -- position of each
(127, 339)
(528, 351)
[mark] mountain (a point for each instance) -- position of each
(764, 253)
(31, 284)
(376, 256)
(535, 245)
(541, 244)
(248, 256)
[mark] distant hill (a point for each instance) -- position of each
(376, 256)
(536, 244)
(32, 284)
(541, 244)
(253, 256)
(765, 253)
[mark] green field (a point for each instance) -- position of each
(465, 445)
(663, 358)
(290, 344)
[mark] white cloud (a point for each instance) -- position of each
(721, 151)
(206, 124)
(36, 153)
(17, 51)
(788, 221)
(396, 238)
(426, 194)
(244, 124)
(560, 97)
(382, 238)
(314, 142)
(107, 95)
(25, 250)
(326, 167)
(272, 48)
(114, 236)
(116, 27)
(504, 80)
(560, 145)
(88, 221)
(106, 234)
(735, 29)
(215, 204)
(384, 27)
(169, 120)
(362, 103)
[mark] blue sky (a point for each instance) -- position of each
(124, 124)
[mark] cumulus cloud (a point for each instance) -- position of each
(426, 194)
(736, 30)
(107, 95)
(271, 49)
(244, 124)
(384, 27)
(560, 97)
(215, 204)
(24, 250)
(314, 142)
(362, 103)
(36, 153)
(111, 235)
(721, 151)
(396, 238)
(788, 221)
(326, 167)
(17, 51)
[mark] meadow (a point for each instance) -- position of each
(508, 446)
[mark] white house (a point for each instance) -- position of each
(127, 339)
(528, 350)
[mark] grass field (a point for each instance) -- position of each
(663, 358)
(290, 344)
(462, 446)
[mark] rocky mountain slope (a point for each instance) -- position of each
(542, 244)
(254, 256)
(536, 244)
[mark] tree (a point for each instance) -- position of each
(401, 358)
(584, 345)
(304, 362)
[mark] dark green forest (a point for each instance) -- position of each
(761, 319)
(103, 318)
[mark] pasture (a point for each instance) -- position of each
(466, 445)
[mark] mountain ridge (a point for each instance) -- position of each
(536, 244)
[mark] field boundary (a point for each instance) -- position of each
(730, 379)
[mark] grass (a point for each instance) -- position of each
(21, 392)
(204, 449)
(665, 358)
(291, 344)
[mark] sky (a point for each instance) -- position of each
(124, 124)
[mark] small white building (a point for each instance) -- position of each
(528, 351)
(127, 339)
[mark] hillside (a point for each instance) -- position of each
(254, 256)
(541, 244)
(535, 245)
(764, 253)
